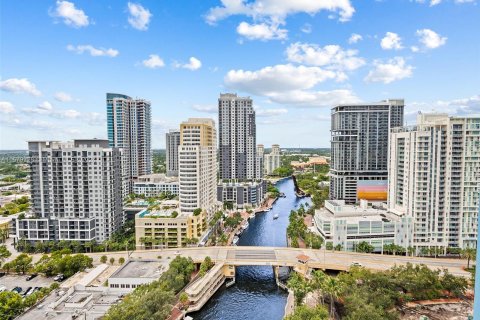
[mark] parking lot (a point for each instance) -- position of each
(12, 281)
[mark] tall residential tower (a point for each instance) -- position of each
(359, 147)
(171, 147)
(129, 128)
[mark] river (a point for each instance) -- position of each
(255, 294)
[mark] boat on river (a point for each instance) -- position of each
(235, 240)
(245, 226)
(252, 215)
(275, 216)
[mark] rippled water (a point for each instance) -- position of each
(255, 294)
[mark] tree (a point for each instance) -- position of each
(11, 305)
(183, 298)
(103, 259)
(299, 286)
(333, 287)
(206, 265)
(112, 260)
(469, 254)
(22, 263)
(304, 313)
(364, 247)
(197, 211)
(4, 253)
(121, 260)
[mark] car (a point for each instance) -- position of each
(30, 277)
(3, 288)
(17, 289)
(26, 292)
(356, 264)
(177, 252)
(59, 277)
(2, 274)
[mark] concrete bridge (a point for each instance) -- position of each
(283, 256)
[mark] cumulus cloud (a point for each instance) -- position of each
(278, 10)
(437, 2)
(391, 41)
(270, 112)
(261, 31)
(458, 107)
(139, 17)
(205, 108)
(304, 98)
(71, 15)
(6, 107)
(392, 70)
(331, 57)
(193, 64)
(22, 85)
(63, 97)
(307, 28)
(354, 38)
(95, 52)
(153, 62)
(430, 39)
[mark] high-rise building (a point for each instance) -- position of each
(359, 148)
(432, 179)
(171, 146)
(197, 165)
(237, 137)
(260, 161)
(77, 191)
(129, 128)
(272, 159)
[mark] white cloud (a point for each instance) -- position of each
(6, 107)
(16, 85)
(153, 62)
(430, 39)
(307, 28)
(95, 52)
(459, 107)
(139, 16)
(205, 108)
(394, 69)
(44, 107)
(275, 10)
(193, 64)
(63, 97)
(433, 3)
(270, 112)
(354, 38)
(391, 41)
(332, 57)
(302, 98)
(414, 49)
(277, 78)
(70, 14)
(261, 31)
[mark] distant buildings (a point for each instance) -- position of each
(242, 194)
(197, 165)
(432, 179)
(359, 149)
(237, 137)
(129, 128)
(171, 146)
(77, 189)
(312, 162)
(153, 185)
(272, 160)
(259, 166)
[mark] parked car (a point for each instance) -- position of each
(3, 288)
(59, 277)
(30, 277)
(2, 274)
(26, 292)
(17, 290)
(356, 264)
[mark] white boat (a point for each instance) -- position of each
(275, 216)
(235, 240)
(245, 226)
(252, 215)
(268, 209)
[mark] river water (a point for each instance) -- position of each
(255, 294)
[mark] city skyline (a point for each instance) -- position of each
(317, 58)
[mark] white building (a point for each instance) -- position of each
(242, 194)
(272, 159)
(135, 273)
(348, 225)
(260, 161)
(152, 185)
(432, 179)
(171, 147)
(197, 165)
(77, 188)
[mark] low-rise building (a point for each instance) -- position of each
(165, 226)
(135, 273)
(312, 161)
(152, 185)
(349, 225)
(242, 194)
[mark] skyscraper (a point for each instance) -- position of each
(359, 147)
(197, 165)
(432, 179)
(237, 137)
(129, 128)
(272, 159)
(259, 166)
(77, 191)
(171, 146)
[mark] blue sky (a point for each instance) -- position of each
(294, 58)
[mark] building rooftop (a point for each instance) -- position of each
(156, 178)
(164, 209)
(140, 269)
(337, 209)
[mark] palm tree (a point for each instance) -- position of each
(333, 287)
(469, 254)
(318, 283)
(411, 251)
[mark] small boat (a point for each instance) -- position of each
(245, 226)
(235, 240)
(275, 216)
(268, 209)
(252, 215)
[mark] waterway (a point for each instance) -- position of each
(255, 294)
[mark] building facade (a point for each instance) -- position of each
(359, 149)
(242, 194)
(272, 160)
(237, 137)
(129, 128)
(260, 161)
(77, 189)
(197, 165)
(432, 179)
(171, 147)
(153, 185)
